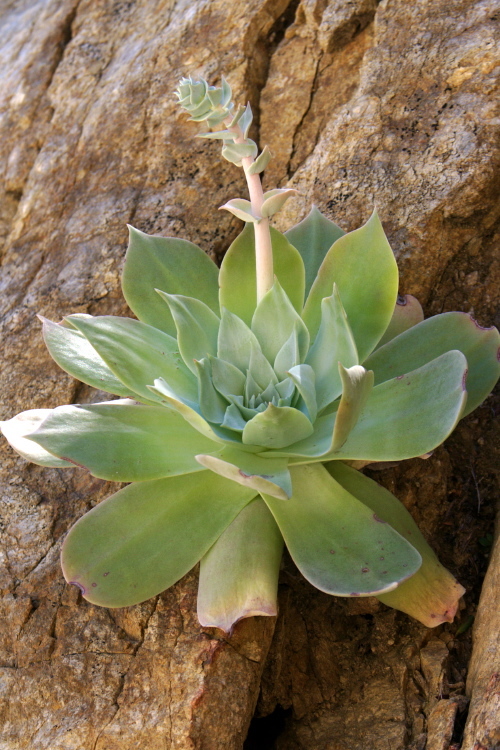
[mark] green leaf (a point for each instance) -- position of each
(197, 327)
(76, 356)
(227, 379)
(335, 540)
(431, 595)
(144, 538)
(407, 313)
(235, 341)
(357, 384)
(304, 379)
(122, 441)
(260, 162)
(239, 574)
(410, 415)
(238, 289)
(434, 336)
(277, 427)
(362, 265)
(17, 431)
(240, 208)
(274, 200)
(313, 237)
(261, 371)
(138, 353)
(263, 475)
(212, 405)
(334, 343)
(274, 320)
(175, 266)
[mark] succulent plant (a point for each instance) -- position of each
(248, 400)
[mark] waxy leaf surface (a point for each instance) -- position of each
(144, 538)
(263, 475)
(238, 288)
(123, 442)
(335, 540)
(274, 320)
(434, 336)
(239, 574)
(277, 427)
(22, 425)
(363, 266)
(172, 265)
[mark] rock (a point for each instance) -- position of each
(364, 104)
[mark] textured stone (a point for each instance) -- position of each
(364, 104)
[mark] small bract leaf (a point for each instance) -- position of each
(434, 336)
(123, 442)
(235, 152)
(334, 343)
(242, 209)
(176, 266)
(238, 290)
(274, 320)
(431, 595)
(336, 542)
(277, 427)
(76, 355)
(274, 200)
(144, 538)
(138, 353)
(17, 431)
(407, 313)
(263, 475)
(357, 384)
(363, 266)
(313, 237)
(197, 327)
(239, 574)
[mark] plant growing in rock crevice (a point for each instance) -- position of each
(249, 398)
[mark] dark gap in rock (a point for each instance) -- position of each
(279, 27)
(264, 731)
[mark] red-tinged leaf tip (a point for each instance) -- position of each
(78, 586)
(402, 300)
(482, 328)
(376, 518)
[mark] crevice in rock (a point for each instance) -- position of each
(290, 170)
(264, 731)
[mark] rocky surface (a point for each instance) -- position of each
(363, 104)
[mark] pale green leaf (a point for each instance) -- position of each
(335, 540)
(274, 200)
(260, 162)
(147, 536)
(212, 405)
(357, 384)
(240, 208)
(238, 289)
(434, 336)
(264, 475)
(138, 353)
(239, 574)
(274, 320)
(363, 266)
(304, 379)
(235, 341)
(197, 327)
(172, 265)
(277, 427)
(123, 442)
(313, 237)
(17, 431)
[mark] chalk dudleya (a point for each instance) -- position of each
(248, 400)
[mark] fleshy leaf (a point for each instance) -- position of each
(235, 341)
(334, 343)
(431, 595)
(263, 475)
(304, 379)
(197, 327)
(357, 384)
(274, 320)
(239, 574)
(274, 200)
(238, 289)
(175, 266)
(363, 266)
(18, 429)
(260, 162)
(145, 537)
(240, 208)
(227, 378)
(122, 441)
(76, 356)
(335, 540)
(138, 353)
(212, 405)
(277, 427)
(313, 237)
(434, 336)
(407, 313)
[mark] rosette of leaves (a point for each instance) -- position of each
(239, 423)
